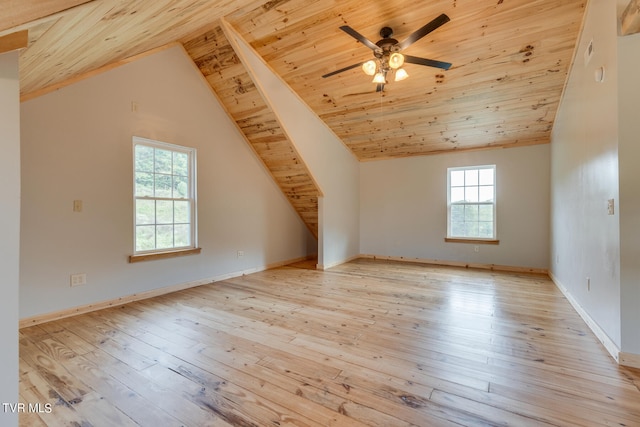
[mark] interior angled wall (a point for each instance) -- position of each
(332, 165)
(77, 145)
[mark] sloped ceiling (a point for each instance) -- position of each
(510, 60)
(236, 91)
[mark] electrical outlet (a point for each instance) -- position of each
(611, 207)
(78, 279)
(476, 248)
(240, 254)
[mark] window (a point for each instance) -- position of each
(471, 200)
(164, 196)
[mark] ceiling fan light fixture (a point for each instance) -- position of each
(369, 67)
(401, 74)
(386, 52)
(379, 78)
(396, 60)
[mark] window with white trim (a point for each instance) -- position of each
(164, 196)
(471, 202)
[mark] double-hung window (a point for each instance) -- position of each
(471, 203)
(164, 197)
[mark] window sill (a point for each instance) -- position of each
(163, 255)
(472, 241)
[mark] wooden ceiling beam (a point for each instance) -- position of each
(630, 20)
(14, 41)
(18, 12)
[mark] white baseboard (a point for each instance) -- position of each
(47, 317)
(608, 344)
(630, 359)
(496, 267)
(334, 264)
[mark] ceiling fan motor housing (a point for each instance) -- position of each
(386, 32)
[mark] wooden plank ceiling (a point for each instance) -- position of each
(214, 56)
(510, 61)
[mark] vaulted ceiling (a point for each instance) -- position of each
(510, 60)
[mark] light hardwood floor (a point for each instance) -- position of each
(375, 343)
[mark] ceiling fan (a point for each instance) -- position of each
(387, 54)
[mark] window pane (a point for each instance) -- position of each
(457, 213)
(486, 194)
(181, 213)
(457, 229)
(163, 161)
(471, 229)
(486, 213)
(182, 235)
(163, 186)
(471, 213)
(164, 212)
(164, 236)
(180, 187)
(145, 237)
(164, 196)
(472, 202)
(486, 177)
(144, 158)
(457, 194)
(145, 212)
(485, 229)
(181, 164)
(457, 178)
(471, 177)
(144, 184)
(471, 194)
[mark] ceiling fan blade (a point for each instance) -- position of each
(428, 62)
(417, 35)
(362, 39)
(333, 73)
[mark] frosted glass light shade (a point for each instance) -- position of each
(396, 60)
(401, 74)
(369, 67)
(379, 78)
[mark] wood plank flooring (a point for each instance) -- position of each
(368, 343)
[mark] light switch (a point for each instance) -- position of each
(77, 205)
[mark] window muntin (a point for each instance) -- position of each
(164, 196)
(471, 197)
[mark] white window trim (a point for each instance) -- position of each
(176, 251)
(463, 239)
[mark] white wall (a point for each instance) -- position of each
(629, 208)
(585, 240)
(76, 144)
(404, 207)
(9, 230)
(332, 165)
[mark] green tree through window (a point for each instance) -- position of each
(164, 193)
(471, 202)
